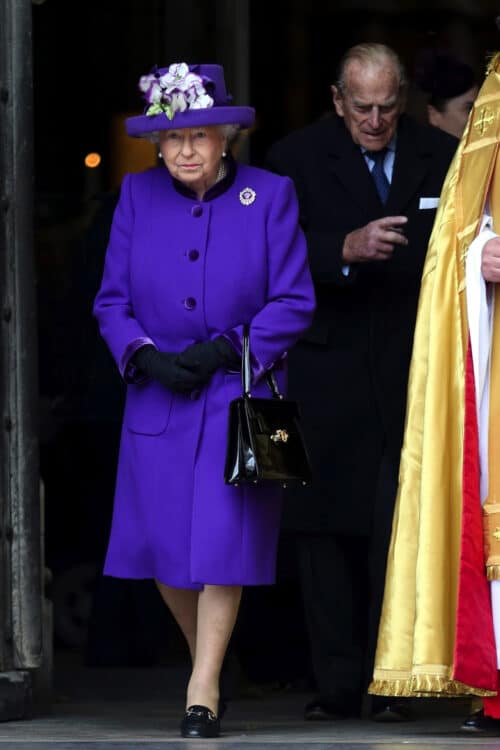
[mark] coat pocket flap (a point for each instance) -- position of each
(147, 408)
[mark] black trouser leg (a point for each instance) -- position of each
(379, 547)
(333, 576)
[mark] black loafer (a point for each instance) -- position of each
(391, 712)
(200, 721)
(478, 723)
(324, 710)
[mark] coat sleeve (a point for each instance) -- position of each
(113, 307)
(290, 300)
(324, 246)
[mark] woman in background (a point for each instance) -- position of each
(450, 87)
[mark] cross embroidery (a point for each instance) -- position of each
(496, 533)
(484, 121)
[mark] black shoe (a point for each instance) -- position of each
(391, 711)
(478, 723)
(200, 721)
(320, 709)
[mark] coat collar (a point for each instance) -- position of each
(345, 160)
(218, 189)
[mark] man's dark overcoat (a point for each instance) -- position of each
(350, 370)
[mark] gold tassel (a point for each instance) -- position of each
(493, 572)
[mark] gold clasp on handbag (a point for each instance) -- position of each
(280, 436)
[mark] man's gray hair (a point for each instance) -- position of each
(370, 54)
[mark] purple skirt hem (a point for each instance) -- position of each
(167, 581)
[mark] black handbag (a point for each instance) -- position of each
(264, 439)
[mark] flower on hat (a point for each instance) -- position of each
(174, 91)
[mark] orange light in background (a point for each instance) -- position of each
(92, 160)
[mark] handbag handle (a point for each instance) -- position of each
(246, 371)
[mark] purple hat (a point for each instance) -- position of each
(186, 96)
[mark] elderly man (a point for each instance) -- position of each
(368, 180)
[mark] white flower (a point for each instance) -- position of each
(178, 103)
(145, 83)
(155, 93)
(175, 91)
(191, 81)
(202, 102)
(179, 70)
(151, 88)
(174, 76)
(191, 95)
(167, 81)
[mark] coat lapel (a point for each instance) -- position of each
(346, 163)
(412, 162)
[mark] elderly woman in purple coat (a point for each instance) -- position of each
(199, 247)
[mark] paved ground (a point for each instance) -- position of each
(124, 709)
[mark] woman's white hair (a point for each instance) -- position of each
(228, 131)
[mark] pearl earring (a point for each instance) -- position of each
(159, 155)
(224, 154)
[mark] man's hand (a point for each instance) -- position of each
(375, 241)
(490, 260)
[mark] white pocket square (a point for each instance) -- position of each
(428, 203)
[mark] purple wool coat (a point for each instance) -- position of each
(179, 271)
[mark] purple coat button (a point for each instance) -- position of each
(190, 303)
(196, 211)
(193, 255)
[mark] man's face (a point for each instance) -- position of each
(371, 104)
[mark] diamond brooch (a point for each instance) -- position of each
(247, 196)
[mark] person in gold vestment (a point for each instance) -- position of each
(439, 633)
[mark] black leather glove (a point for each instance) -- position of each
(166, 369)
(205, 358)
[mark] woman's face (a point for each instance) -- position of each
(192, 155)
(454, 118)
